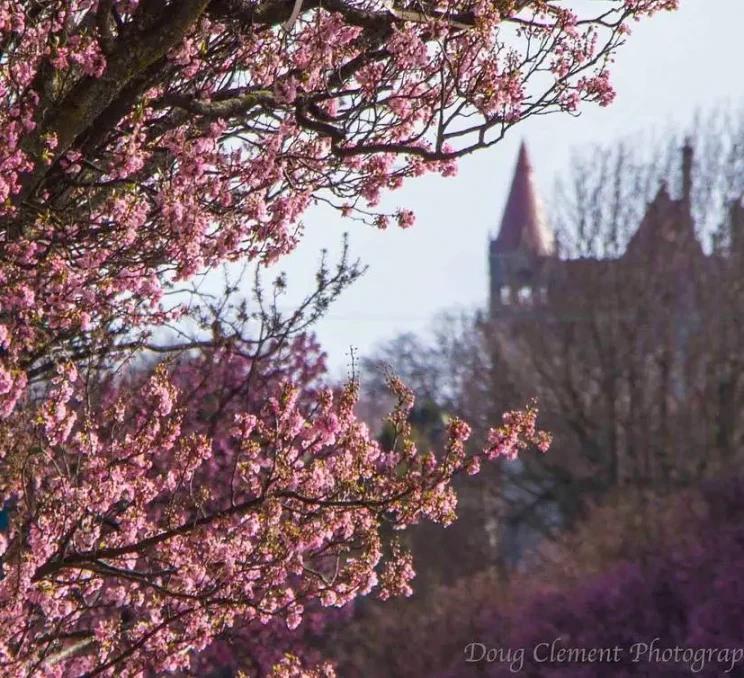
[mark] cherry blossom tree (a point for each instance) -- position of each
(143, 142)
(118, 538)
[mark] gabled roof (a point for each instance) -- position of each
(523, 225)
(667, 230)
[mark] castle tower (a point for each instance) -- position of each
(518, 255)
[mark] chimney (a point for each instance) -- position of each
(736, 226)
(687, 159)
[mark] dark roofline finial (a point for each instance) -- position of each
(688, 156)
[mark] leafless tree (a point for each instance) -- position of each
(634, 355)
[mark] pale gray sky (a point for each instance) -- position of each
(672, 66)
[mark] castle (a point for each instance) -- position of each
(633, 350)
(527, 271)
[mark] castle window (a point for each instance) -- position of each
(505, 293)
(525, 295)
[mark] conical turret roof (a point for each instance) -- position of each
(523, 225)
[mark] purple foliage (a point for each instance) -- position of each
(688, 597)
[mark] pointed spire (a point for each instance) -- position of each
(523, 225)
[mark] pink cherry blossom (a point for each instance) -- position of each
(155, 506)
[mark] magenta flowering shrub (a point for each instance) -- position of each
(688, 597)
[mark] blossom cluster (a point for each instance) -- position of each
(128, 537)
(139, 145)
